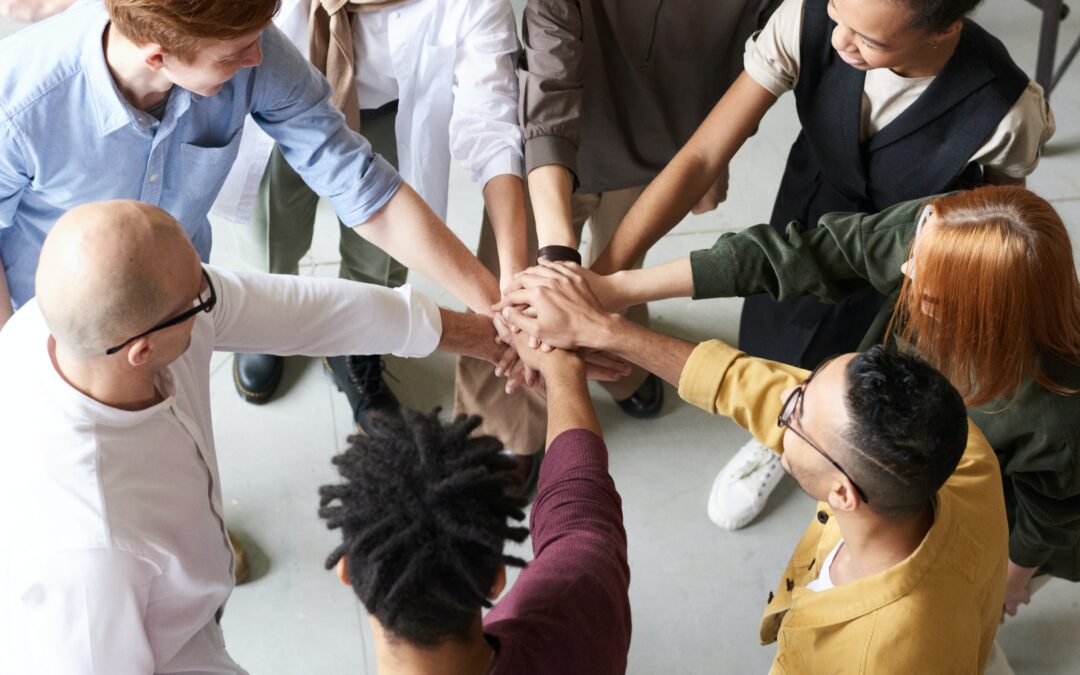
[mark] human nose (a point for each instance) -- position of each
(842, 38)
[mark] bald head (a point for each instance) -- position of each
(110, 270)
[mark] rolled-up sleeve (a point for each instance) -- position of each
(772, 53)
(484, 132)
(291, 102)
(722, 380)
(318, 316)
(552, 83)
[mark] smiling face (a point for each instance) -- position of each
(215, 63)
(873, 34)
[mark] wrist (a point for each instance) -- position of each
(609, 333)
(559, 253)
(563, 367)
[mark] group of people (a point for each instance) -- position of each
(909, 347)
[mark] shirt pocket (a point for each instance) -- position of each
(203, 169)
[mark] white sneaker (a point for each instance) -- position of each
(743, 486)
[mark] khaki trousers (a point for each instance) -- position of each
(520, 420)
(283, 223)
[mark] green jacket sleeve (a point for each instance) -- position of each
(1047, 518)
(845, 253)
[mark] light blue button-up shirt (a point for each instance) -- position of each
(67, 136)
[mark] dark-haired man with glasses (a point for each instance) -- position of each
(902, 568)
(114, 556)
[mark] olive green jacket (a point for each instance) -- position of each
(1036, 435)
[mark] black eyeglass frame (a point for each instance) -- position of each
(783, 421)
(203, 306)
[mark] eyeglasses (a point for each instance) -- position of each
(200, 305)
(793, 403)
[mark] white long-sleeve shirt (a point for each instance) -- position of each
(113, 553)
(452, 66)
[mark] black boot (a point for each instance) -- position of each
(257, 376)
(646, 401)
(360, 379)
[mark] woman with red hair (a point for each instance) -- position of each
(982, 284)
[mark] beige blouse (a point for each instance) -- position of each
(772, 60)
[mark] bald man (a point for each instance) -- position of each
(113, 552)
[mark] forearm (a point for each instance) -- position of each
(6, 310)
(634, 287)
(685, 180)
(504, 201)
(407, 229)
(658, 353)
(468, 334)
(569, 403)
(550, 187)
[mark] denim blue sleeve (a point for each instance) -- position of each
(13, 173)
(291, 102)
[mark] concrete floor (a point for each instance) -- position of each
(697, 591)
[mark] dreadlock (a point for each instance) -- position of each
(423, 513)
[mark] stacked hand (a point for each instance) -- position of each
(553, 306)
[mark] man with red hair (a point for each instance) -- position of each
(146, 99)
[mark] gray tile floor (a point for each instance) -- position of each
(697, 591)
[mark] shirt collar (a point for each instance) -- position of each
(849, 601)
(111, 109)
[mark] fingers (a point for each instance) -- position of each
(521, 321)
(603, 374)
(521, 296)
(605, 360)
(506, 362)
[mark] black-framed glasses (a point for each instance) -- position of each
(783, 420)
(201, 304)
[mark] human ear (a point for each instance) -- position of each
(155, 57)
(947, 33)
(342, 570)
(499, 583)
(138, 354)
(842, 495)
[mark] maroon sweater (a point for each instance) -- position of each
(569, 610)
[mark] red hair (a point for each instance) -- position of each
(179, 25)
(997, 281)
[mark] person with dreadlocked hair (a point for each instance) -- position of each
(425, 510)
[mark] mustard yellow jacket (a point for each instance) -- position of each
(935, 612)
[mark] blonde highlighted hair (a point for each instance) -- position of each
(994, 289)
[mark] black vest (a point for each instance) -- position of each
(924, 151)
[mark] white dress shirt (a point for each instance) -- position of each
(454, 64)
(114, 557)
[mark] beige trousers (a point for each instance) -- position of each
(520, 420)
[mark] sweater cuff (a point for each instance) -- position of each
(1025, 556)
(714, 271)
(543, 150)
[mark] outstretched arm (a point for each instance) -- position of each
(409, 230)
(552, 87)
(693, 171)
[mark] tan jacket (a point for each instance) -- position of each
(935, 612)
